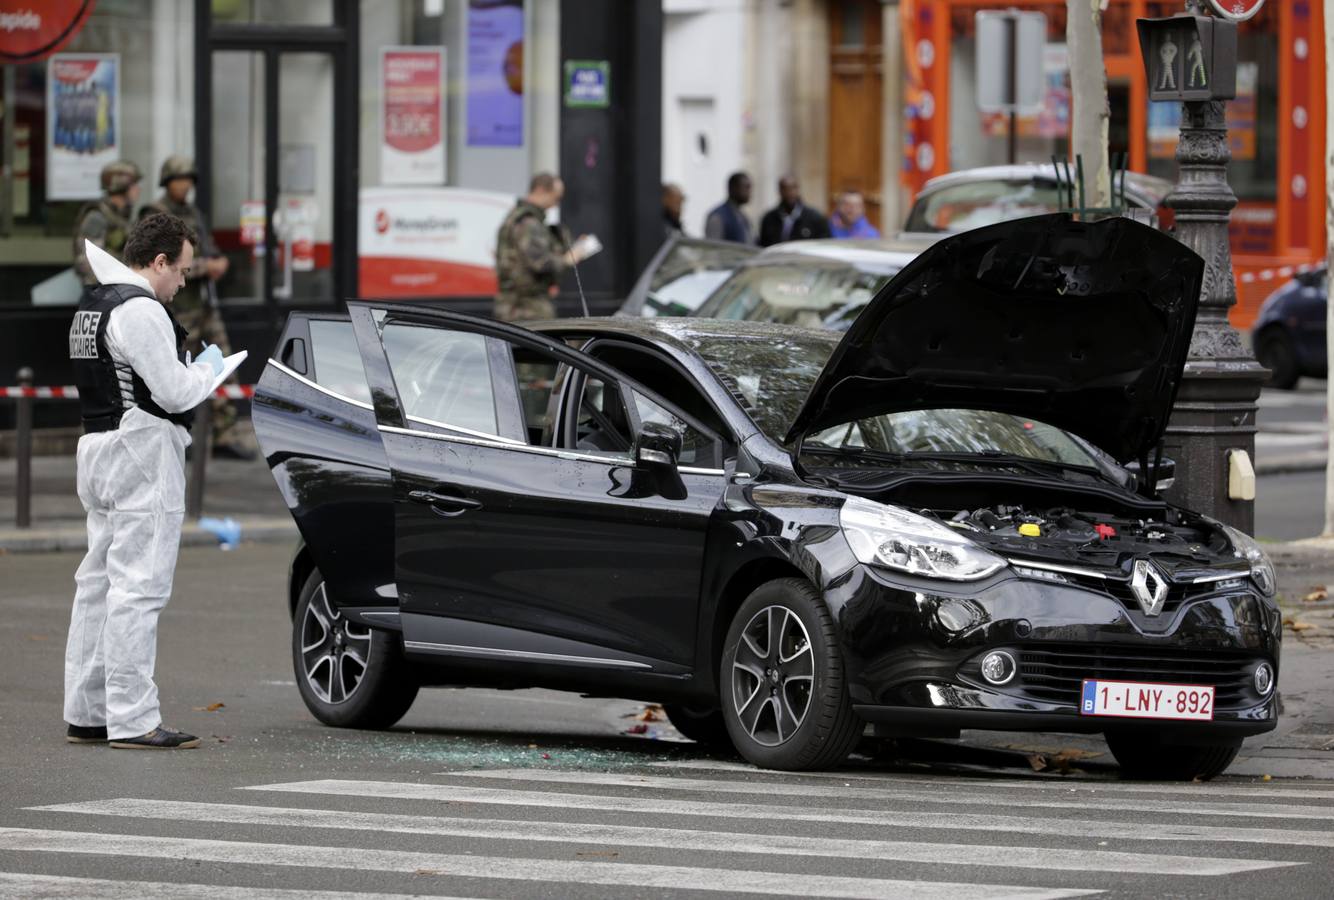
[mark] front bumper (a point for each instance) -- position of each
(912, 650)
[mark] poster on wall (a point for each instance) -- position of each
(428, 242)
(1241, 114)
(495, 73)
(82, 122)
(412, 116)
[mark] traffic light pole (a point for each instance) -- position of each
(1213, 422)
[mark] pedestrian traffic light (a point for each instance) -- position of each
(1189, 57)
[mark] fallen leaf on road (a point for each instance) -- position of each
(212, 707)
(1318, 593)
(223, 738)
(1303, 626)
(1266, 777)
(39, 637)
(1037, 761)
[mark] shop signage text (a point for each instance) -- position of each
(31, 30)
(587, 83)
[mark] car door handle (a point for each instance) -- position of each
(444, 504)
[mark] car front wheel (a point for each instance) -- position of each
(1143, 756)
(1275, 352)
(350, 676)
(783, 691)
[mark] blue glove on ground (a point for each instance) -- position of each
(213, 356)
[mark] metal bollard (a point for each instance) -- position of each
(23, 453)
(199, 450)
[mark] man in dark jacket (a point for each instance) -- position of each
(726, 222)
(791, 220)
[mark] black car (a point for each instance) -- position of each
(780, 534)
(1289, 332)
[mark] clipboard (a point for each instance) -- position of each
(229, 365)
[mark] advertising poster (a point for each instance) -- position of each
(82, 122)
(495, 73)
(412, 120)
(428, 242)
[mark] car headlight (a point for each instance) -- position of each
(1245, 547)
(883, 535)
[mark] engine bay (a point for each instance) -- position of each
(1091, 536)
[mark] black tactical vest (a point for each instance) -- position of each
(107, 389)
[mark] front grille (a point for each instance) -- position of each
(1177, 593)
(1055, 673)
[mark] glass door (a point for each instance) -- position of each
(272, 179)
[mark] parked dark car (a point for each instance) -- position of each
(781, 534)
(1290, 330)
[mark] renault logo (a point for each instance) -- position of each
(1149, 587)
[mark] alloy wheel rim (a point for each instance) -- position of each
(773, 673)
(334, 651)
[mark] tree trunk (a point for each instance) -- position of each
(1088, 89)
(1329, 261)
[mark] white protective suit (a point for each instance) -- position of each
(131, 481)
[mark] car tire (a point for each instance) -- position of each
(1142, 756)
(700, 724)
(349, 676)
(1275, 352)
(782, 641)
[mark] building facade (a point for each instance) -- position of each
(345, 148)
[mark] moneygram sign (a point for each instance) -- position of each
(428, 242)
(31, 31)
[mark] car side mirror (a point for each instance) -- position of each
(657, 446)
(1167, 474)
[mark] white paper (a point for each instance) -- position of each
(229, 364)
(586, 246)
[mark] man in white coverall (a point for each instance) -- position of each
(136, 392)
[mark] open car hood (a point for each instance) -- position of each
(1082, 325)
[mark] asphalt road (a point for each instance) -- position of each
(537, 794)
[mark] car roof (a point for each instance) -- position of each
(1148, 186)
(877, 255)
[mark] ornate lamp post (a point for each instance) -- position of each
(1211, 434)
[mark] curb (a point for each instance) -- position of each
(1314, 461)
(64, 538)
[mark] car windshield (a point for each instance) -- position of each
(974, 204)
(802, 294)
(771, 374)
(690, 272)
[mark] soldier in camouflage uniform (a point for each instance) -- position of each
(106, 221)
(195, 306)
(530, 256)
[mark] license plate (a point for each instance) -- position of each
(1141, 700)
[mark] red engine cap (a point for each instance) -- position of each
(1105, 531)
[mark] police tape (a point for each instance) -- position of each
(70, 392)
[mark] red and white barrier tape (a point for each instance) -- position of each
(70, 392)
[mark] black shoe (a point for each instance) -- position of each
(86, 734)
(232, 451)
(160, 738)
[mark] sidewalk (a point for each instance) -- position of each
(245, 491)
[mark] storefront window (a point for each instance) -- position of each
(122, 88)
(459, 107)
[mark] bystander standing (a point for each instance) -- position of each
(791, 219)
(726, 221)
(849, 218)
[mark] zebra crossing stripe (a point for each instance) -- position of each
(904, 794)
(1045, 858)
(1022, 782)
(17, 886)
(1018, 824)
(545, 871)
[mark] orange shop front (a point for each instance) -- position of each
(1276, 124)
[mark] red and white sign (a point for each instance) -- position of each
(428, 242)
(252, 222)
(412, 121)
(31, 30)
(1237, 10)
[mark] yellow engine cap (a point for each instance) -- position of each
(1029, 529)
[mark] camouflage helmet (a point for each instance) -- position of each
(118, 177)
(177, 166)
